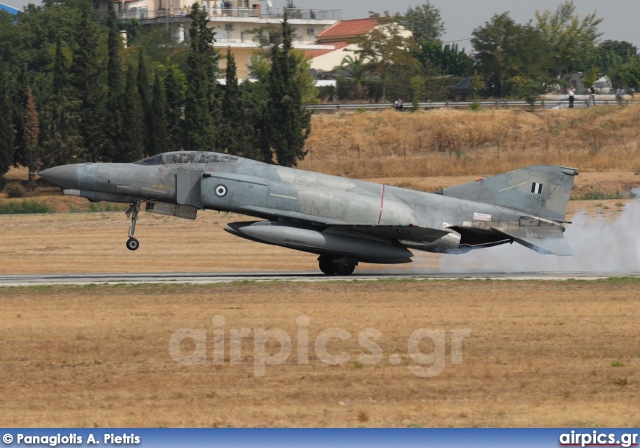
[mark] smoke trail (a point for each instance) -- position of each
(598, 244)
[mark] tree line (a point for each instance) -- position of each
(507, 59)
(71, 92)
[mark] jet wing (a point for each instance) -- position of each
(545, 239)
(405, 233)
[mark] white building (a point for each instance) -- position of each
(337, 41)
(233, 21)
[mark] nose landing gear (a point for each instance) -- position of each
(134, 209)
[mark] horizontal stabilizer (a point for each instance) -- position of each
(405, 233)
(544, 239)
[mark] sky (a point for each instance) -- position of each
(621, 17)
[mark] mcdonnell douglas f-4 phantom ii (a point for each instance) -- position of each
(343, 221)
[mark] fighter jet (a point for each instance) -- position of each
(343, 221)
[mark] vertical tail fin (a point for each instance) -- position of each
(538, 190)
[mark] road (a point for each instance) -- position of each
(293, 276)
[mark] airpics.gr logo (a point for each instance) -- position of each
(425, 354)
(595, 438)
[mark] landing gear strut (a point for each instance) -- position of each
(329, 266)
(134, 209)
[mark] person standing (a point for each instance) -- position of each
(619, 95)
(592, 96)
(572, 92)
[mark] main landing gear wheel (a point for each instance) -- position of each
(134, 209)
(344, 268)
(330, 267)
(326, 265)
(132, 244)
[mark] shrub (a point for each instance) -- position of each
(106, 207)
(15, 190)
(475, 106)
(24, 207)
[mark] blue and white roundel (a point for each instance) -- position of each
(221, 191)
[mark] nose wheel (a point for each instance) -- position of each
(134, 209)
(132, 244)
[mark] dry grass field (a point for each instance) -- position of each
(457, 143)
(539, 354)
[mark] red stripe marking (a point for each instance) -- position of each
(381, 204)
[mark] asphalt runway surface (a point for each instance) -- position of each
(293, 276)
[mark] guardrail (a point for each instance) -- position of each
(498, 104)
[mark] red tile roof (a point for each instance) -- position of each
(347, 29)
(316, 53)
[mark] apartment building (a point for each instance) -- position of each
(235, 22)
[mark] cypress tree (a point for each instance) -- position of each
(174, 103)
(31, 136)
(113, 121)
(60, 75)
(19, 103)
(200, 104)
(84, 78)
(114, 47)
(291, 122)
(61, 142)
(256, 99)
(229, 104)
(145, 103)
(235, 135)
(131, 148)
(6, 130)
(159, 142)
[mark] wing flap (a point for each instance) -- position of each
(544, 238)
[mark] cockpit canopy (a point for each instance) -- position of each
(175, 157)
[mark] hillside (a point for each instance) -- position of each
(455, 143)
(430, 150)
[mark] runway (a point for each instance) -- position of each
(291, 276)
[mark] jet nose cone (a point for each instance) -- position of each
(65, 175)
